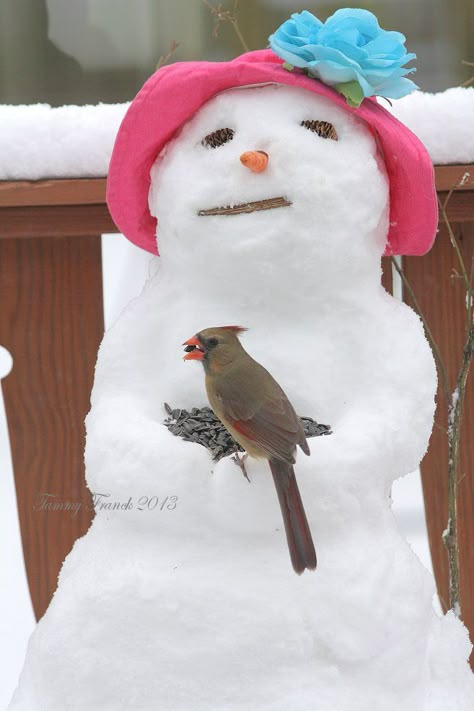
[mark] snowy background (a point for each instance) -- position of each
(40, 142)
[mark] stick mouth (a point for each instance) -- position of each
(247, 207)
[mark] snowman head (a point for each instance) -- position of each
(272, 173)
(185, 102)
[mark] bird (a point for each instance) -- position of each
(254, 409)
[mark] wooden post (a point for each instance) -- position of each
(51, 321)
(441, 296)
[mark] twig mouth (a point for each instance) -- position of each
(246, 207)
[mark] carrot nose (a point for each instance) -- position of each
(256, 161)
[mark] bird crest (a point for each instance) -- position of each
(235, 329)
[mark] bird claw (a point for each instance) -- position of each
(239, 460)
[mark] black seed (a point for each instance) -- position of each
(203, 427)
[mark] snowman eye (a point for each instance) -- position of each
(218, 138)
(322, 128)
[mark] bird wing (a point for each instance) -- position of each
(265, 417)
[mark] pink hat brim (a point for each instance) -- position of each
(176, 92)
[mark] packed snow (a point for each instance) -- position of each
(76, 141)
(194, 605)
(38, 141)
(443, 122)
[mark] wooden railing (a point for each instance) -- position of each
(51, 321)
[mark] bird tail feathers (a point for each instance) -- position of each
(298, 534)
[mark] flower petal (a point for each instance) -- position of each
(364, 20)
(349, 47)
(397, 88)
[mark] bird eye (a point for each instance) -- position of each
(218, 138)
(212, 342)
(322, 128)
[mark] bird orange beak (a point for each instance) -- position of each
(194, 349)
(256, 161)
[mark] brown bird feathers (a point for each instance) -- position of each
(255, 410)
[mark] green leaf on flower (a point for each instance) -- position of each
(352, 91)
(289, 67)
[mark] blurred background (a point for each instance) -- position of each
(91, 51)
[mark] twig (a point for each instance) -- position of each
(454, 438)
(220, 15)
(450, 535)
(471, 80)
(442, 207)
(455, 412)
(463, 275)
(165, 57)
(246, 207)
(466, 279)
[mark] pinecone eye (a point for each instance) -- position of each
(322, 128)
(218, 138)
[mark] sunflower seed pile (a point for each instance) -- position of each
(200, 425)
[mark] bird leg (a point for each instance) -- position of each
(239, 460)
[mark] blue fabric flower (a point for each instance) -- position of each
(349, 51)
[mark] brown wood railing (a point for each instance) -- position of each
(51, 321)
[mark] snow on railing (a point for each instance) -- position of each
(38, 141)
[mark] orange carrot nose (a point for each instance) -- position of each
(257, 161)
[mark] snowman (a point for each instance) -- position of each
(192, 604)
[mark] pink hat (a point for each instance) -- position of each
(176, 92)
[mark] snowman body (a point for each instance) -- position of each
(195, 606)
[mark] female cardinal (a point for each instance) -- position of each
(257, 413)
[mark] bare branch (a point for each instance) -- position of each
(466, 279)
(166, 57)
(450, 536)
(455, 412)
(471, 80)
(221, 15)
